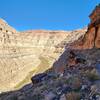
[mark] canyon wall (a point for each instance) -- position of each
(24, 54)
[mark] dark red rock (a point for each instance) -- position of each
(92, 36)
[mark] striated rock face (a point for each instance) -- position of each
(24, 54)
(4, 27)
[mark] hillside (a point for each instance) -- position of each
(75, 74)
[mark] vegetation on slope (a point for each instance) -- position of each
(43, 66)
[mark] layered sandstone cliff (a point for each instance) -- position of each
(24, 54)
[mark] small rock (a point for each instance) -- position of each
(63, 97)
(84, 87)
(49, 96)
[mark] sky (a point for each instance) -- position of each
(47, 14)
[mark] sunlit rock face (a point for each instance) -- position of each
(24, 54)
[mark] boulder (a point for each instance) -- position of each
(38, 78)
(63, 97)
(50, 96)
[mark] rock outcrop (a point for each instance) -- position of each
(92, 37)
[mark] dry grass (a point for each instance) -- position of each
(43, 66)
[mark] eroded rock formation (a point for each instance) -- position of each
(24, 54)
(92, 37)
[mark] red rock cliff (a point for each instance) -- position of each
(92, 36)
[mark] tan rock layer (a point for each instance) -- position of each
(24, 53)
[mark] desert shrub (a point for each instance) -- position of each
(93, 77)
(73, 96)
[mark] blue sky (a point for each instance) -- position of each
(47, 14)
